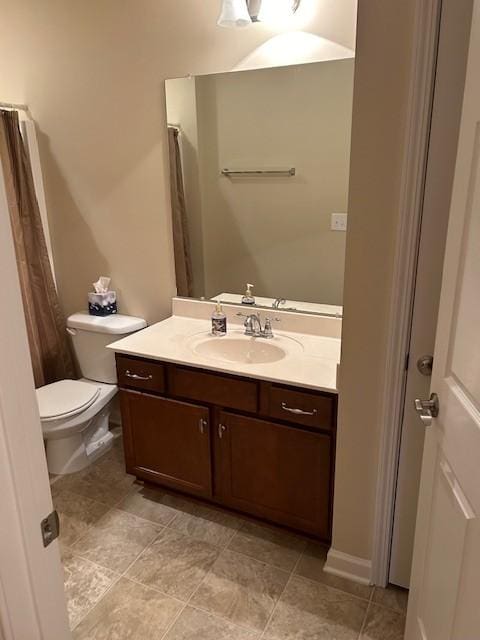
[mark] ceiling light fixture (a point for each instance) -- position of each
(234, 14)
(241, 13)
(277, 10)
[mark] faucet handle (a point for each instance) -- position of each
(267, 330)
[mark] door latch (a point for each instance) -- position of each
(425, 365)
(50, 527)
(428, 409)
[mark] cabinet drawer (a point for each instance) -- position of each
(309, 409)
(140, 374)
(211, 388)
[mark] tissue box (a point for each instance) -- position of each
(102, 304)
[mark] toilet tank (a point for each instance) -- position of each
(90, 336)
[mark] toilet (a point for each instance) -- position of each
(75, 413)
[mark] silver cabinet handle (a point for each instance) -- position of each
(134, 376)
(221, 430)
(202, 425)
(298, 412)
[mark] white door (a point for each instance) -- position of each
(32, 600)
(445, 584)
(446, 113)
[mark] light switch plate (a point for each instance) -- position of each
(339, 222)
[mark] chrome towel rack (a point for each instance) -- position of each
(259, 172)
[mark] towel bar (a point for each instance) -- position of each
(259, 172)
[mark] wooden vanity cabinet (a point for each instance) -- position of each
(167, 442)
(275, 471)
(230, 440)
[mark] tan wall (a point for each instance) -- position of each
(275, 232)
(92, 73)
(382, 70)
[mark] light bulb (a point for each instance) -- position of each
(274, 11)
(234, 14)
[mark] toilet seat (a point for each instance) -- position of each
(65, 399)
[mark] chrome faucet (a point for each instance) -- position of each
(253, 325)
(278, 302)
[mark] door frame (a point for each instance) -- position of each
(412, 187)
(32, 598)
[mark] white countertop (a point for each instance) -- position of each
(312, 363)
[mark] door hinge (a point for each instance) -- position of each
(50, 527)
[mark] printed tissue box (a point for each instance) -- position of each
(102, 304)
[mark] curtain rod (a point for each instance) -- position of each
(12, 105)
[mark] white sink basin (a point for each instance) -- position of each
(241, 349)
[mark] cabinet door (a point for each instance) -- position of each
(274, 471)
(167, 442)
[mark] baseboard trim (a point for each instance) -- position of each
(347, 566)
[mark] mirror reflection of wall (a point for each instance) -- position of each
(273, 231)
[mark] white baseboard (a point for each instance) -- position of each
(347, 566)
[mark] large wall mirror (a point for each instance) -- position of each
(259, 166)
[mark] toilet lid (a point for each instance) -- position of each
(65, 398)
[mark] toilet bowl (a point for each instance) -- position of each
(75, 414)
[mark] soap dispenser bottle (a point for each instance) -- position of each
(248, 297)
(219, 321)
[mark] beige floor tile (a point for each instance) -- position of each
(392, 597)
(117, 452)
(131, 611)
(268, 544)
(147, 502)
(174, 563)
(77, 514)
(383, 624)
(198, 625)
(241, 589)
(311, 566)
(105, 481)
(85, 584)
(55, 484)
(208, 524)
(116, 540)
(311, 611)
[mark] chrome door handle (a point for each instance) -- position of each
(202, 425)
(428, 409)
(298, 412)
(135, 376)
(221, 430)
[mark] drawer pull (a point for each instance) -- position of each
(221, 430)
(298, 412)
(202, 424)
(135, 376)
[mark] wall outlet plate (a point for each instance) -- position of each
(339, 222)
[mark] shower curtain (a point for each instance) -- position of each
(181, 244)
(49, 347)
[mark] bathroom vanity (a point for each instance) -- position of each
(246, 423)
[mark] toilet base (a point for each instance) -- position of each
(77, 451)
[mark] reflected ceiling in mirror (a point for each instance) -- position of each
(259, 165)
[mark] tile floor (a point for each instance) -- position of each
(142, 563)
